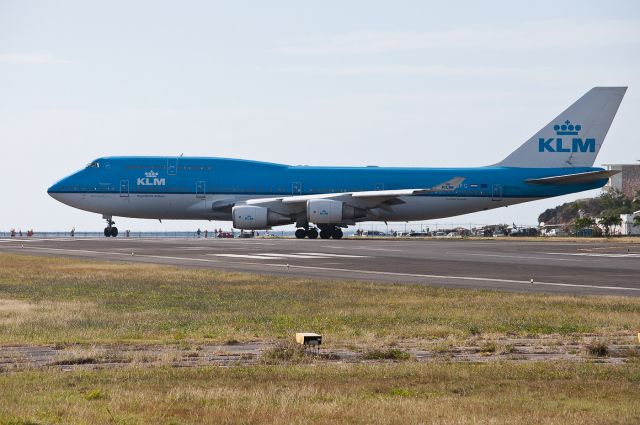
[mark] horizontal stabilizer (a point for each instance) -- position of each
(577, 178)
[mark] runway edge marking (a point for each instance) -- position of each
(290, 266)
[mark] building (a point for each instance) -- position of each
(627, 181)
(628, 226)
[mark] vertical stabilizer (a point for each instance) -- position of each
(573, 138)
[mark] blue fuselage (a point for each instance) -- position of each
(169, 187)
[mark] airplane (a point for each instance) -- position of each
(557, 160)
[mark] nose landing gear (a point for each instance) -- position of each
(110, 230)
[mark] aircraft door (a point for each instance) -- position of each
(496, 192)
(296, 188)
(124, 188)
(201, 191)
(172, 166)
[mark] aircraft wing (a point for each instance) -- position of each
(368, 199)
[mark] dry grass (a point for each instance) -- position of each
(401, 393)
(60, 301)
(55, 300)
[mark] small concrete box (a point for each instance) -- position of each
(308, 338)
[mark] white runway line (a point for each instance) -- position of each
(599, 254)
(250, 256)
(331, 255)
(301, 255)
(523, 257)
(275, 255)
(359, 248)
(472, 278)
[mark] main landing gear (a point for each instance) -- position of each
(110, 230)
(326, 232)
(311, 233)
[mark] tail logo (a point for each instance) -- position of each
(556, 144)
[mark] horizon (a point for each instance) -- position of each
(417, 84)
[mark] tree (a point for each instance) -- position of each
(583, 223)
(613, 199)
(609, 221)
(636, 220)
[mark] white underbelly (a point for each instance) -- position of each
(155, 206)
(190, 207)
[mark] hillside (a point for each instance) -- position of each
(608, 203)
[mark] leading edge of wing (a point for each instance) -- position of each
(446, 186)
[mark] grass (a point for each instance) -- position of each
(286, 353)
(67, 301)
(598, 349)
(391, 393)
(60, 301)
(389, 354)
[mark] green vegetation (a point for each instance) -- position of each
(583, 223)
(376, 393)
(609, 222)
(60, 301)
(608, 207)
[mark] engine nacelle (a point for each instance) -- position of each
(247, 217)
(321, 211)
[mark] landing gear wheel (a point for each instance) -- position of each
(301, 233)
(110, 230)
(326, 233)
(337, 233)
(312, 233)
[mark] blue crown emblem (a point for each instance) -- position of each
(567, 129)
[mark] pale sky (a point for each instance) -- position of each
(403, 83)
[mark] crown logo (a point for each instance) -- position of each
(151, 174)
(567, 129)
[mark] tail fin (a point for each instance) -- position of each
(573, 138)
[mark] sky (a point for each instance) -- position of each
(403, 83)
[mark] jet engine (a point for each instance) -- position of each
(322, 211)
(248, 217)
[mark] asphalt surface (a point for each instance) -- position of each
(498, 264)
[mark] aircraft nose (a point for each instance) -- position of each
(55, 189)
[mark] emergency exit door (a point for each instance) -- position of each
(201, 189)
(496, 192)
(124, 188)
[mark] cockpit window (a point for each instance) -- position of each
(94, 164)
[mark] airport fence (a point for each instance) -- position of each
(366, 229)
(132, 234)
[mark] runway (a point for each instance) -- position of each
(497, 264)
